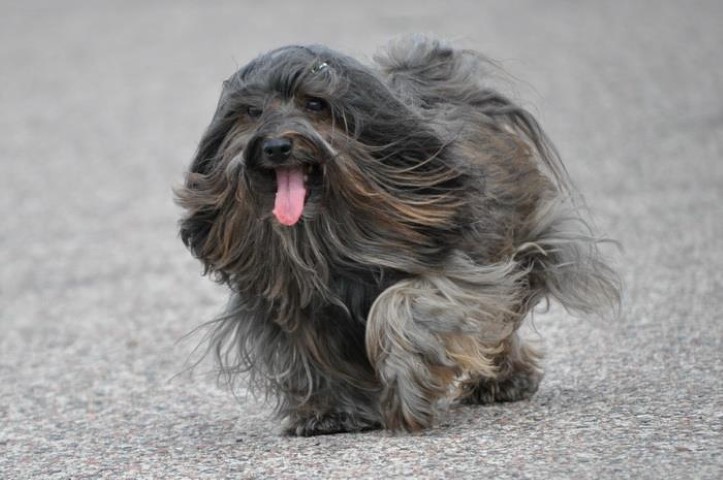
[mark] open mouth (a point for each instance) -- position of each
(292, 190)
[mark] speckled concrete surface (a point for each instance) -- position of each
(101, 104)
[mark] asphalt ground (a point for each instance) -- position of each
(101, 106)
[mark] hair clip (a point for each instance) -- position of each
(319, 67)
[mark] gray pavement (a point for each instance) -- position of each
(101, 105)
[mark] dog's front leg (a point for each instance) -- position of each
(329, 387)
(424, 332)
(336, 409)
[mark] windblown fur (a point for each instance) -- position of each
(435, 216)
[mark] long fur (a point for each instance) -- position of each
(438, 216)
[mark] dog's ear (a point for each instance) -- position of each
(195, 226)
(194, 230)
(224, 118)
(197, 193)
(206, 153)
(208, 148)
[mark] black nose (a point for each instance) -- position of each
(276, 149)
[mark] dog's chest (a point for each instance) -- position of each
(358, 289)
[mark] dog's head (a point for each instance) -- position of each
(308, 143)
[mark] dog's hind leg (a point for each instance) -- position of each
(424, 332)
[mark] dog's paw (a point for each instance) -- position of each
(328, 424)
(520, 386)
(406, 408)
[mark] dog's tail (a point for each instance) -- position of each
(432, 76)
(563, 259)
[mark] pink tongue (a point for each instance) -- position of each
(290, 195)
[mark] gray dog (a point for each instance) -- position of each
(384, 230)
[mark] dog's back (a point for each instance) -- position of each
(430, 73)
(541, 220)
(450, 85)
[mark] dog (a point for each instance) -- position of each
(384, 230)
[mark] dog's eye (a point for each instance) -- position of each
(315, 105)
(254, 112)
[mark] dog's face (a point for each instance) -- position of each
(277, 124)
(286, 120)
(311, 158)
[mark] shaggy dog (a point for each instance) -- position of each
(384, 231)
